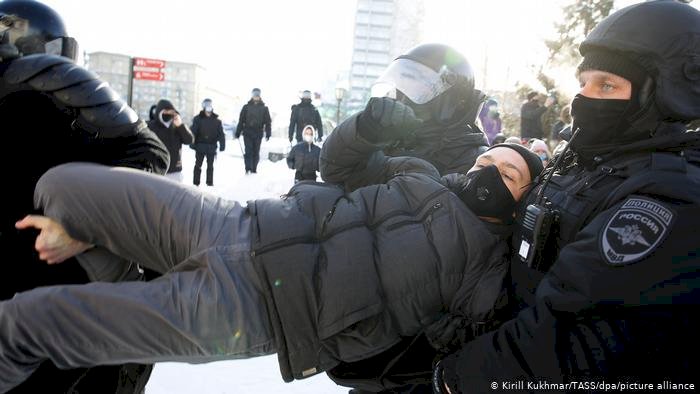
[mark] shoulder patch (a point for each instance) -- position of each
(635, 230)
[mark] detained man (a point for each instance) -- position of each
(329, 273)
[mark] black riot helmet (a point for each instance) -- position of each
(663, 38)
(28, 27)
(436, 81)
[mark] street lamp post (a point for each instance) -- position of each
(339, 94)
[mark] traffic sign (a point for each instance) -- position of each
(149, 76)
(144, 62)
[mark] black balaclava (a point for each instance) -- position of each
(605, 123)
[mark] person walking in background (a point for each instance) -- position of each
(304, 114)
(169, 128)
(490, 120)
(207, 130)
(252, 122)
(531, 117)
(304, 157)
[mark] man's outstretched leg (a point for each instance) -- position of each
(214, 312)
(135, 215)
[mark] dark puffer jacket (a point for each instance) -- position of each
(304, 159)
(351, 273)
(254, 120)
(304, 114)
(207, 131)
(451, 150)
(173, 137)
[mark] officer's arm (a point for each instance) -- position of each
(608, 307)
(291, 157)
(241, 122)
(319, 123)
(222, 136)
(195, 126)
(292, 122)
(268, 123)
(350, 160)
(186, 136)
(142, 149)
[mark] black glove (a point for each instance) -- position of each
(267, 138)
(384, 119)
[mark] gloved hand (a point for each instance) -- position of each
(385, 119)
(222, 149)
(236, 136)
(267, 138)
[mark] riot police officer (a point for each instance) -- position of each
(605, 278)
(54, 111)
(437, 82)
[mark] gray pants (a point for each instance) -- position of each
(208, 305)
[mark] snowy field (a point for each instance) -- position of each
(258, 375)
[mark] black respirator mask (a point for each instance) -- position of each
(485, 194)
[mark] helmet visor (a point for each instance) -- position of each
(417, 82)
(12, 28)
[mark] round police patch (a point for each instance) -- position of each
(635, 230)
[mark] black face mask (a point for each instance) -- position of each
(167, 117)
(485, 194)
(600, 121)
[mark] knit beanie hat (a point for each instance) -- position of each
(534, 163)
(616, 63)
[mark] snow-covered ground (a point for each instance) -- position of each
(258, 375)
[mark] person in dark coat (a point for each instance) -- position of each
(304, 156)
(304, 114)
(437, 82)
(173, 133)
(273, 277)
(54, 111)
(253, 121)
(611, 293)
(531, 117)
(208, 131)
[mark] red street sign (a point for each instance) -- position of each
(143, 62)
(148, 75)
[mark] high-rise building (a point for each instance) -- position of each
(383, 30)
(183, 85)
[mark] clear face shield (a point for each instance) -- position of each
(15, 31)
(417, 82)
(11, 28)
